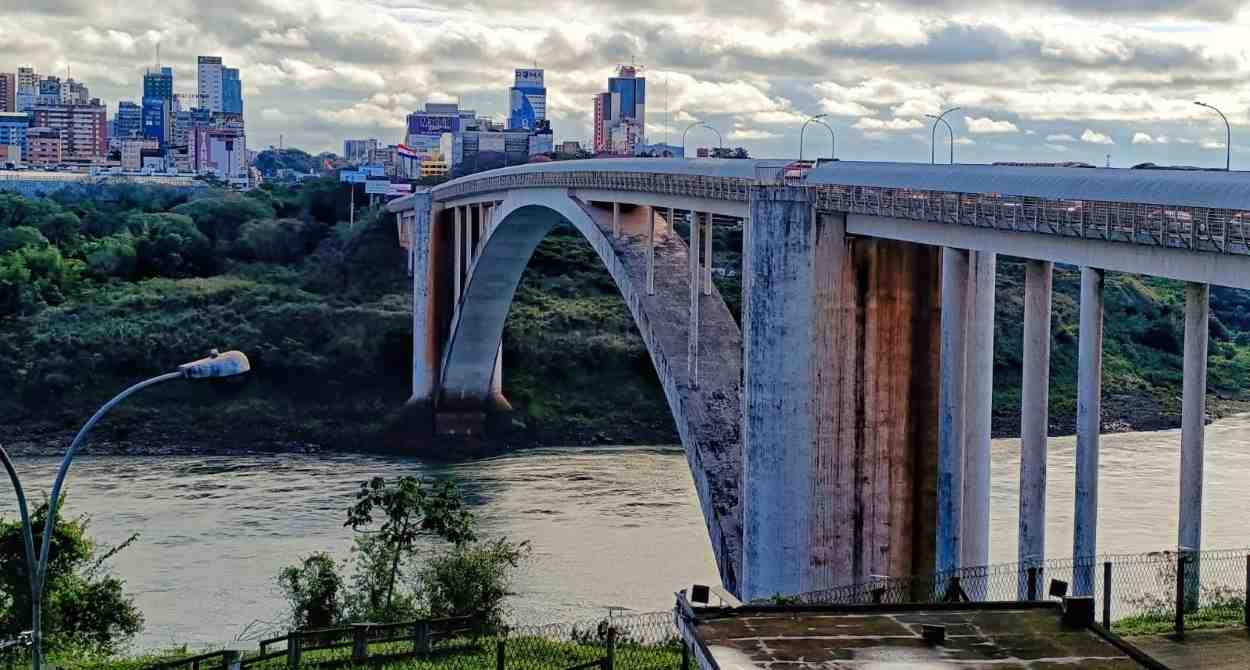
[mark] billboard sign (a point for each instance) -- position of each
(374, 170)
(399, 189)
(529, 78)
(352, 176)
(377, 186)
(420, 123)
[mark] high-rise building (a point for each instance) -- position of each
(426, 128)
(13, 128)
(84, 129)
(132, 152)
(45, 146)
(156, 120)
(159, 84)
(357, 151)
(527, 99)
(626, 98)
(74, 93)
(27, 89)
(209, 78)
(8, 92)
(49, 92)
(221, 150)
(129, 120)
(231, 91)
(26, 77)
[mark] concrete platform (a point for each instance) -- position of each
(1220, 649)
(977, 635)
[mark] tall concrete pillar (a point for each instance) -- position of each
(1193, 429)
(457, 247)
(840, 396)
(1088, 430)
(1034, 416)
(616, 219)
(425, 332)
(468, 242)
(707, 257)
(651, 253)
(978, 413)
(692, 360)
(951, 421)
(481, 229)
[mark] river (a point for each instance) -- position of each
(610, 527)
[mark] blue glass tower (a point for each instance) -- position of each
(527, 100)
(231, 91)
(156, 119)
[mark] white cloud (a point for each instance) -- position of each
(1212, 144)
(1056, 147)
(1092, 137)
(876, 125)
(986, 125)
(752, 134)
(1061, 137)
(1142, 138)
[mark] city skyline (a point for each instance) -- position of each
(1065, 81)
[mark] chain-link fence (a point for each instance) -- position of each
(1133, 593)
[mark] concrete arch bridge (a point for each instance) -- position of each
(843, 432)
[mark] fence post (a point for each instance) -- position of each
(500, 655)
(360, 642)
(685, 655)
(293, 643)
(1247, 599)
(1106, 595)
(1180, 594)
(195, 665)
(1031, 590)
(231, 659)
(609, 661)
(421, 637)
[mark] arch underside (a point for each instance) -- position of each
(708, 417)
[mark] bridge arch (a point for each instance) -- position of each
(708, 417)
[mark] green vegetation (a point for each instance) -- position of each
(86, 611)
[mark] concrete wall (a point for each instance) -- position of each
(841, 346)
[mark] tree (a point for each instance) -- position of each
(220, 218)
(312, 588)
(84, 606)
(171, 245)
(31, 277)
(407, 511)
(21, 237)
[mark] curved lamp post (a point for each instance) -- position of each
(215, 365)
(699, 124)
(719, 140)
(818, 120)
(1228, 137)
(933, 135)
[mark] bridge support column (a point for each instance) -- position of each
(651, 252)
(978, 398)
(1193, 429)
(457, 245)
(840, 387)
(692, 360)
(951, 421)
(1088, 430)
(707, 256)
(616, 220)
(1034, 417)
(481, 229)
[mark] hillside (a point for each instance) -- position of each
(96, 294)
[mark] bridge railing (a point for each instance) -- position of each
(1205, 229)
(1153, 592)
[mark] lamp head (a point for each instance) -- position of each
(216, 364)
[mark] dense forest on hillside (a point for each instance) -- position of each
(101, 290)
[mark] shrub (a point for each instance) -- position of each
(85, 608)
(33, 277)
(171, 246)
(280, 241)
(312, 589)
(20, 237)
(472, 580)
(112, 256)
(220, 218)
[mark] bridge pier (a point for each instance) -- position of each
(951, 420)
(696, 272)
(1088, 430)
(840, 388)
(1034, 416)
(978, 397)
(1193, 430)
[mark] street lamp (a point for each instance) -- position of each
(699, 124)
(1228, 138)
(213, 366)
(719, 140)
(833, 154)
(933, 135)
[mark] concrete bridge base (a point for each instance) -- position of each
(841, 342)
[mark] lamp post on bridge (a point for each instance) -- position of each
(699, 124)
(933, 135)
(215, 365)
(719, 140)
(1228, 136)
(833, 154)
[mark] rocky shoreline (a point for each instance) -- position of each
(44, 439)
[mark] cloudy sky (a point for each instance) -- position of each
(1038, 80)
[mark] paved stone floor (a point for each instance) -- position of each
(975, 638)
(1200, 649)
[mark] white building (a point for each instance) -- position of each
(210, 84)
(626, 135)
(132, 152)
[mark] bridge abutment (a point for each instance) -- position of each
(841, 342)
